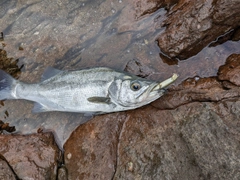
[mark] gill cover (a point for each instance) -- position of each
(127, 92)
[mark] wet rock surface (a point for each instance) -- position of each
(192, 25)
(33, 156)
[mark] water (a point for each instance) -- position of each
(72, 35)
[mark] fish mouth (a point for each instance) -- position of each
(160, 86)
(155, 89)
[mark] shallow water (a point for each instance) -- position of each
(77, 35)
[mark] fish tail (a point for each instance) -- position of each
(6, 86)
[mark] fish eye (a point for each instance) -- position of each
(135, 86)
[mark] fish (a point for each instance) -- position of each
(90, 91)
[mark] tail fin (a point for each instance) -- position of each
(6, 82)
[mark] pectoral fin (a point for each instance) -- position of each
(104, 100)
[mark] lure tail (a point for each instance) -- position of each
(6, 86)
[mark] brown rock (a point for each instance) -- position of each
(32, 156)
(192, 25)
(91, 150)
(151, 148)
(231, 70)
(194, 141)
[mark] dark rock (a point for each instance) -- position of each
(192, 25)
(137, 68)
(31, 156)
(236, 35)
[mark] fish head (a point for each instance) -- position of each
(133, 91)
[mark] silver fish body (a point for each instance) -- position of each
(91, 91)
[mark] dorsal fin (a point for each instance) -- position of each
(49, 72)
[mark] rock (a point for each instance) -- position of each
(91, 151)
(6, 172)
(194, 141)
(33, 156)
(213, 136)
(192, 25)
(231, 70)
(137, 68)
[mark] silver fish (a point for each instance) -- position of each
(90, 91)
